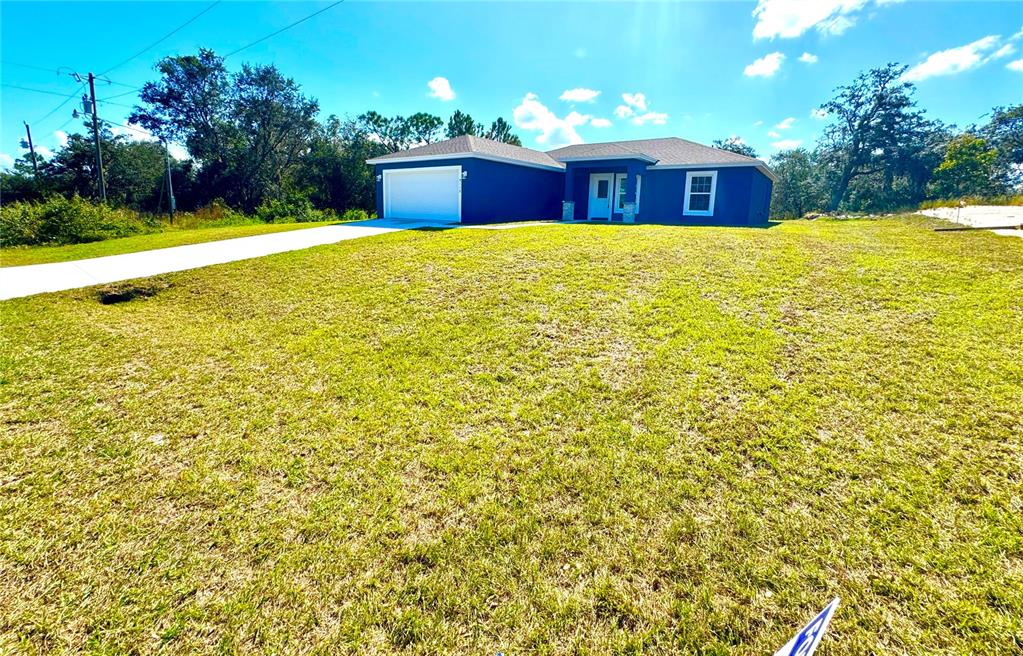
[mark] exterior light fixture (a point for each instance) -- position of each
(465, 175)
(380, 177)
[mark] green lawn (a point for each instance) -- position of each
(20, 255)
(554, 440)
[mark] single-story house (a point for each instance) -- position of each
(470, 179)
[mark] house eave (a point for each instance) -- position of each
(760, 166)
(492, 158)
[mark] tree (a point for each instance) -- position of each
(422, 128)
(868, 114)
(500, 130)
(968, 168)
(273, 123)
(461, 123)
(334, 173)
(798, 189)
(400, 133)
(735, 145)
(1004, 132)
(248, 129)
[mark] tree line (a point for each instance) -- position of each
(880, 153)
(254, 138)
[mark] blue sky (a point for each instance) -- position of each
(561, 73)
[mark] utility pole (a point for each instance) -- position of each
(170, 183)
(32, 151)
(95, 138)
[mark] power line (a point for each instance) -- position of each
(64, 102)
(119, 95)
(36, 68)
(49, 93)
(283, 29)
(162, 38)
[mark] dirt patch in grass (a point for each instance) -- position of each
(123, 292)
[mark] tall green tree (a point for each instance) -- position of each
(967, 170)
(398, 132)
(1004, 132)
(461, 123)
(866, 129)
(500, 130)
(798, 189)
(248, 129)
(334, 173)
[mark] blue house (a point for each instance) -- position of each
(469, 179)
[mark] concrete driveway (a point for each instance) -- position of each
(21, 281)
(982, 216)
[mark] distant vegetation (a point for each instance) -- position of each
(61, 221)
(880, 153)
(258, 147)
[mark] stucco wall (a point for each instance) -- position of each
(494, 192)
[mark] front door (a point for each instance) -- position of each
(600, 196)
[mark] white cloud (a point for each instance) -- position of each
(757, 124)
(533, 115)
(43, 151)
(441, 89)
(579, 94)
(788, 19)
(657, 118)
(774, 135)
(818, 114)
(600, 123)
(6, 161)
(1015, 65)
(766, 66)
(787, 144)
(808, 58)
(61, 137)
(636, 107)
(1004, 51)
(786, 124)
(953, 60)
(635, 100)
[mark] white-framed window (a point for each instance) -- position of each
(700, 189)
(620, 179)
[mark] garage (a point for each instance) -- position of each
(431, 193)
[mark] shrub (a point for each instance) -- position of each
(215, 215)
(290, 209)
(1016, 200)
(59, 220)
(355, 214)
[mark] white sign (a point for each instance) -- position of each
(805, 642)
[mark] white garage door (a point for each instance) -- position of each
(424, 193)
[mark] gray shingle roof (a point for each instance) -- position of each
(670, 151)
(471, 145)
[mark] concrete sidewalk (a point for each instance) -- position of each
(21, 281)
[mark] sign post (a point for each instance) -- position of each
(805, 642)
